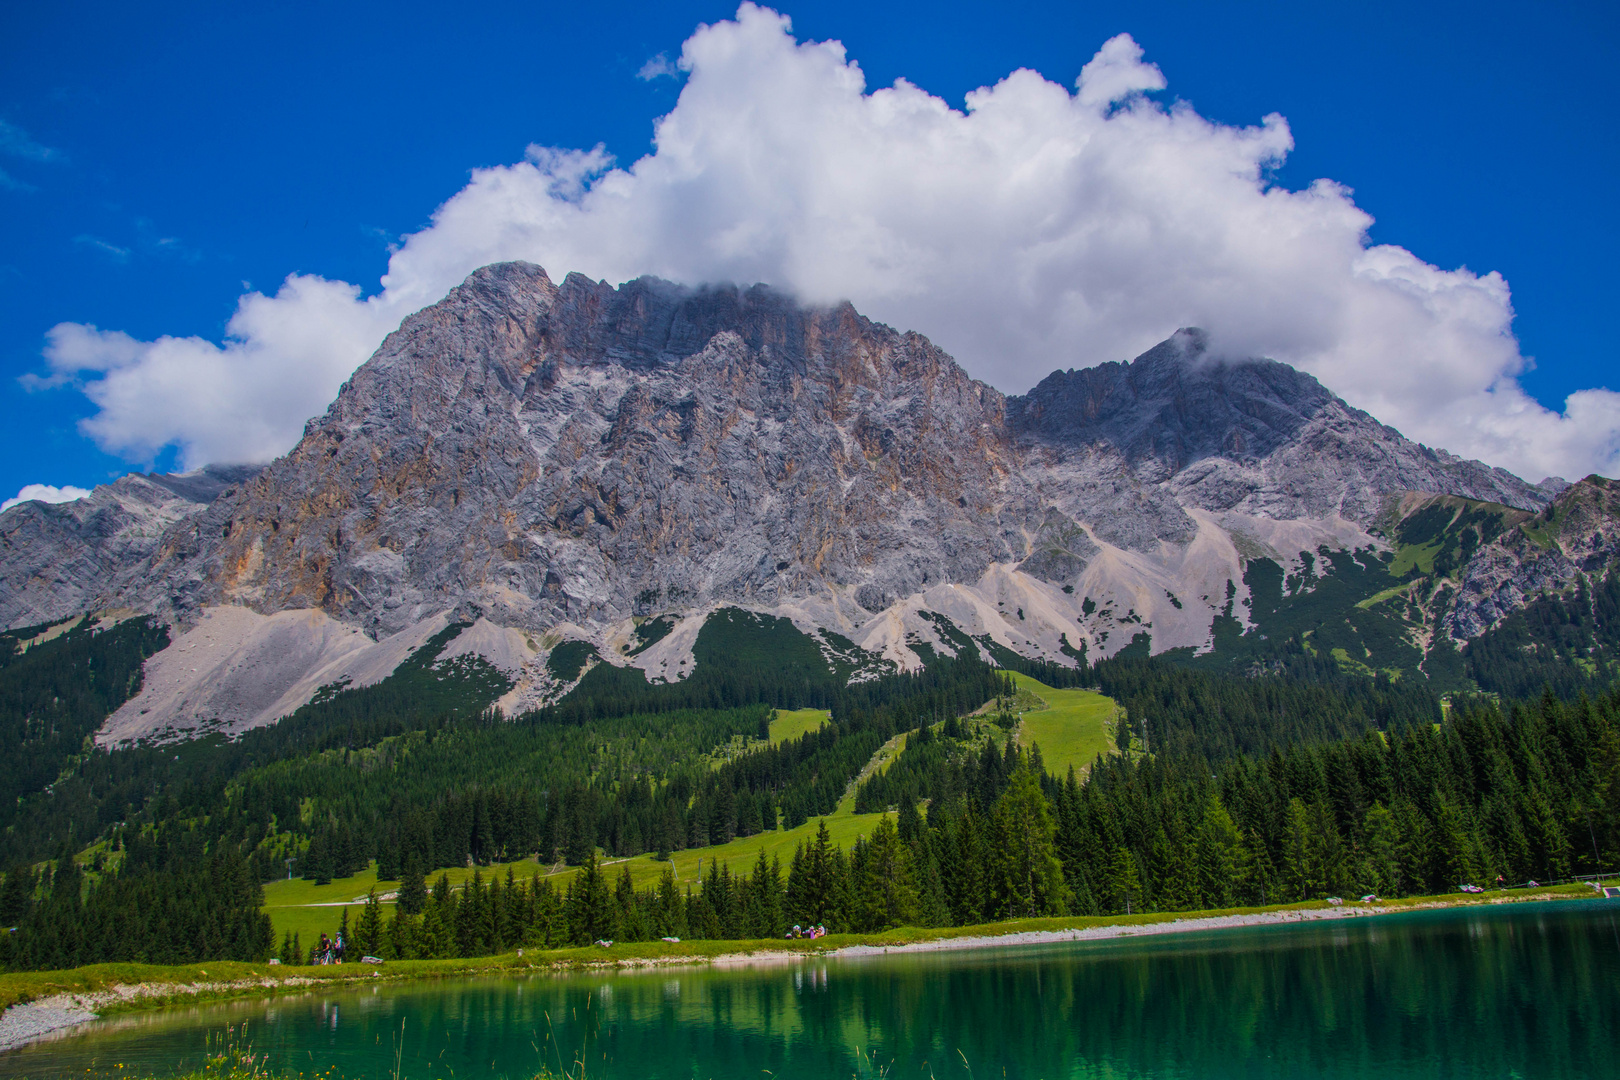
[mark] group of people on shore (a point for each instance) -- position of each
(327, 951)
(813, 932)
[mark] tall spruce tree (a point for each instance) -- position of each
(412, 895)
(887, 883)
(1031, 876)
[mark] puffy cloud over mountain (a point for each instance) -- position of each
(1037, 228)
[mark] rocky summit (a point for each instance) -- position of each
(543, 462)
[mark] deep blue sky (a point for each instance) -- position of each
(201, 146)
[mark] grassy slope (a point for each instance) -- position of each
(792, 723)
(1071, 730)
(219, 979)
(1071, 727)
(290, 902)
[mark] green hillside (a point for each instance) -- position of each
(1072, 728)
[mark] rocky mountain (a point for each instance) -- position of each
(560, 461)
(1255, 437)
(1575, 539)
(61, 559)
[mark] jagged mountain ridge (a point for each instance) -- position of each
(1256, 436)
(559, 459)
(549, 453)
(543, 454)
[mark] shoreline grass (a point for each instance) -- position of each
(117, 988)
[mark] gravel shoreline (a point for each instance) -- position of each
(30, 1022)
(22, 1024)
(1101, 933)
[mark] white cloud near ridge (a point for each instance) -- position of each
(44, 493)
(1036, 229)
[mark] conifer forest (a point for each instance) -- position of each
(1226, 789)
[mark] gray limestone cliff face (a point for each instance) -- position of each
(543, 453)
(62, 559)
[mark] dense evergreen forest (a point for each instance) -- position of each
(169, 902)
(55, 695)
(1292, 781)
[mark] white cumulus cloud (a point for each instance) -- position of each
(1037, 228)
(44, 493)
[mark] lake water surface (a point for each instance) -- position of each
(1525, 990)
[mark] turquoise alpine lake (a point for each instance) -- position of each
(1509, 990)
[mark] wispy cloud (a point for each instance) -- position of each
(660, 66)
(17, 143)
(389, 240)
(106, 247)
(169, 246)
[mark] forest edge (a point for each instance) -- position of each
(82, 994)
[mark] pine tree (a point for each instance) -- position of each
(412, 896)
(887, 886)
(628, 924)
(766, 899)
(470, 917)
(550, 927)
(1301, 876)
(368, 932)
(967, 890)
(509, 913)
(401, 940)
(1380, 851)
(1031, 876)
(669, 915)
(932, 910)
(317, 860)
(1256, 874)
(388, 860)
(1124, 884)
(589, 904)
(909, 823)
(581, 837)
(17, 897)
(841, 910)
(1217, 857)
(437, 939)
(438, 936)
(813, 883)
